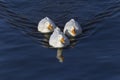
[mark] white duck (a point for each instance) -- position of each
(72, 28)
(58, 39)
(46, 25)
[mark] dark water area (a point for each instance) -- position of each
(26, 55)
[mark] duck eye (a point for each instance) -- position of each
(50, 27)
(62, 40)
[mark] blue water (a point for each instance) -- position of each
(26, 55)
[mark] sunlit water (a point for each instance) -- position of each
(26, 55)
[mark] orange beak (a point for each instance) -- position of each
(62, 40)
(73, 31)
(50, 27)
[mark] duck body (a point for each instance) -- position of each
(46, 25)
(58, 39)
(72, 28)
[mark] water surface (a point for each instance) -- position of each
(24, 55)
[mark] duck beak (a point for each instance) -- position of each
(62, 40)
(73, 31)
(50, 27)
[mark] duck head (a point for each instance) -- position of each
(58, 39)
(72, 28)
(46, 25)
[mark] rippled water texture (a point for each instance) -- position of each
(26, 55)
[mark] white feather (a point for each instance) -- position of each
(54, 40)
(69, 25)
(43, 25)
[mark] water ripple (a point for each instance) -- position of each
(29, 27)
